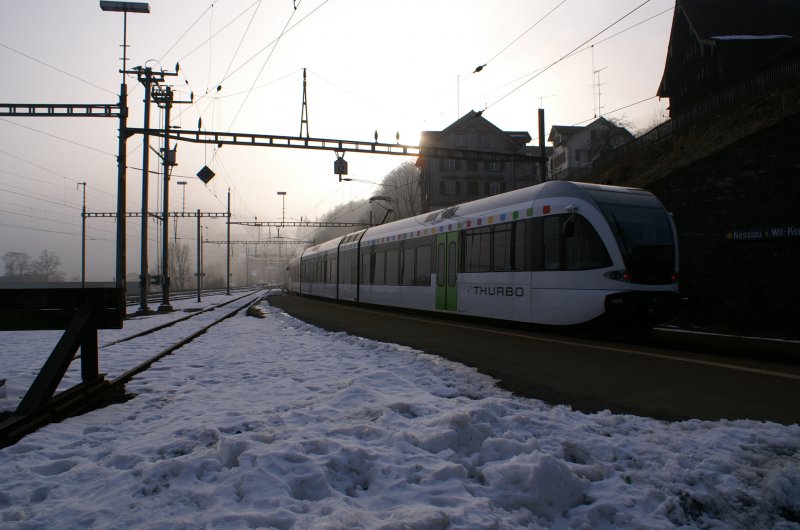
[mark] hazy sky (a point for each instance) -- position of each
(387, 65)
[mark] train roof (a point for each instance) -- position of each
(510, 201)
(512, 205)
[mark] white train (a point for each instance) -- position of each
(559, 253)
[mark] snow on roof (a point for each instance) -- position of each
(751, 37)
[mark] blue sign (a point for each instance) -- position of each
(763, 233)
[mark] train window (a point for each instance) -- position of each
(350, 267)
(407, 269)
(423, 271)
(330, 267)
(392, 267)
(556, 248)
(380, 268)
(501, 246)
(477, 250)
(552, 242)
(519, 246)
(344, 264)
(584, 249)
(535, 243)
(366, 270)
(441, 260)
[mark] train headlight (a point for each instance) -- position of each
(620, 276)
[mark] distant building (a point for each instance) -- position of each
(448, 181)
(576, 148)
(714, 44)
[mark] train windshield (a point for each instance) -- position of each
(644, 233)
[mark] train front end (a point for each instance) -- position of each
(645, 237)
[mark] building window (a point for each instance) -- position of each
(461, 140)
(472, 188)
(483, 140)
(450, 187)
(495, 166)
(496, 187)
(449, 164)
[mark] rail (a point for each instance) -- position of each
(98, 391)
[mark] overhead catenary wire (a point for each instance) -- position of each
(253, 86)
(73, 76)
(581, 45)
(22, 227)
(576, 52)
(59, 138)
(507, 46)
(263, 65)
(187, 30)
(241, 40)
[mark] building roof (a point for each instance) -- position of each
(768, 30)
(520, 137)
(710, 19)
(565, 132)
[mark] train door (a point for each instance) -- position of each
(446, 271)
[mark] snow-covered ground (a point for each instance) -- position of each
(275, 423)
(22, 353)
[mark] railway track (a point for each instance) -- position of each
(121, 360)
(133, 299)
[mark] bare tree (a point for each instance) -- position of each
(179, 265)
(17, 263)
(613, 133)
(401, 185)
(47, 265)
(352, 212)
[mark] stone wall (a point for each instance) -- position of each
(736, 280)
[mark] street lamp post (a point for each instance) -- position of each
(83, 237)
(168, 161)
(283, 210)
(283, 215)
(199, 256)
(124, 8)
(182, 184)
